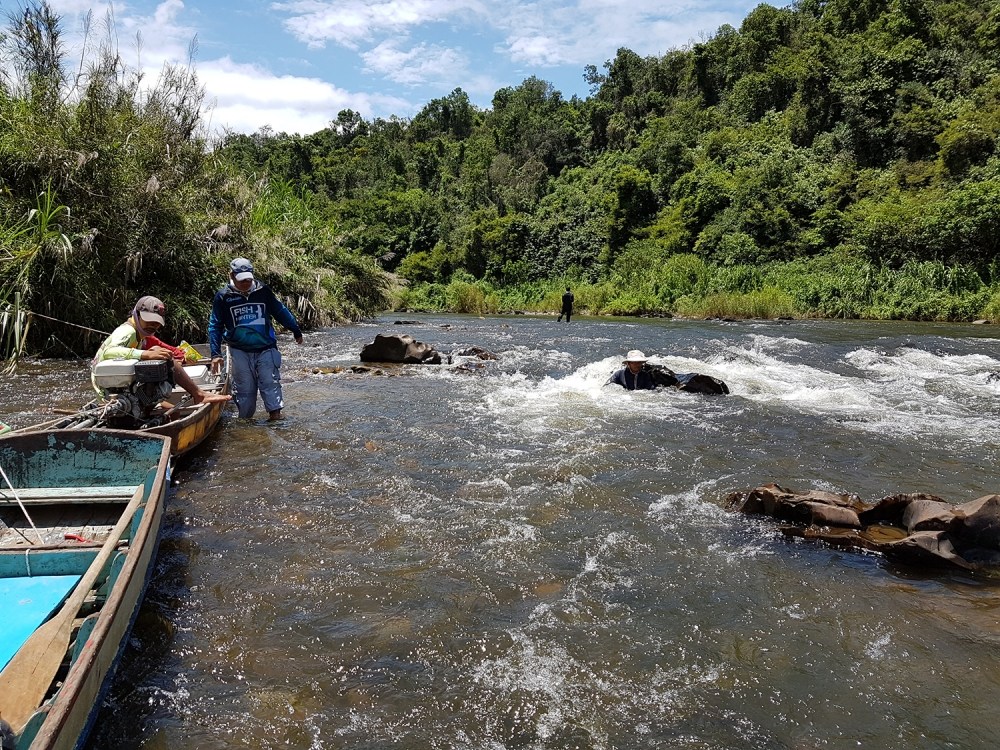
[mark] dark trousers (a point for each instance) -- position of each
(567, 313)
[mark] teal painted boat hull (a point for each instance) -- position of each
(75, 477)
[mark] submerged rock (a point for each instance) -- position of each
(916, 529)
(478, 352)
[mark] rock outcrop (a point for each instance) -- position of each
(692, 382)
(400, 348)
(478, 352)
(917, 529)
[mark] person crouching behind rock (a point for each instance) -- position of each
(632, 376)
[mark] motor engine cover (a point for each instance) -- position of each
(119, 374)
(153, 370)
(114, 374)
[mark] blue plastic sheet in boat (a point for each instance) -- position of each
(27, 603)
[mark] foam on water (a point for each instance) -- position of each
(907, 391)
(577, 401)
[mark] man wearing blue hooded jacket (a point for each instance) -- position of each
(241, 316)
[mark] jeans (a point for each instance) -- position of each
(256, 371)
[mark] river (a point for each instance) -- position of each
(521, 557)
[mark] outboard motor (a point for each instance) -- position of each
(135, 389)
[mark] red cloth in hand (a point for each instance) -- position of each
(152, 341)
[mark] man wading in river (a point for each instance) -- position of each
(567, 306)
(241, 315)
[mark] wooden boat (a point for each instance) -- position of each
(186, 424)
(190, 423)
(73, 576)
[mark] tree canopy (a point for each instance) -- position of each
(864, 129)
(826, 155)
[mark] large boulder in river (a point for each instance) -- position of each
(977, 523)
(400, 348)
(692, 382)
(917, 529)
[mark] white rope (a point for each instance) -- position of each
(23, 509)
(66, 322)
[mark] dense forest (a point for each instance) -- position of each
(831, 158)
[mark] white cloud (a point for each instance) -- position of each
(248, 97)
(539, 33)
(239, 97)
(163, 38)
(79, 7)
(554, 32)
(349, 23)
(538, 49)
(423, 64)
(429, 47)
(167, 11)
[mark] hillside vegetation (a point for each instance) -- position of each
(831, 158)
(110, 191)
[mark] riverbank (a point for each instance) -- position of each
(685, 286)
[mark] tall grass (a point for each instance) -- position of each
(832, 286)
(25, 244)
(14, 325)
(991, 310)
(111, 191)
(768, 303)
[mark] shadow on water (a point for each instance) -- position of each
(525, 558)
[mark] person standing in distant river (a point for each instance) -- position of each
(567, 306)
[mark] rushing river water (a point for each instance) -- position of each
(524, 558)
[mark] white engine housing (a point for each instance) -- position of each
(114, 374)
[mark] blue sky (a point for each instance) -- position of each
(294, 64)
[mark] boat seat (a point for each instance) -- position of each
(40, 495)
(207, 387)
(31, 601)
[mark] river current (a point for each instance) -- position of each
(521, 557)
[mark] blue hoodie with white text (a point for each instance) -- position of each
(244, 320)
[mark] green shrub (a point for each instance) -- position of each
(991, 310)
(463, 295)
(109, 192)
(768, 303)
(422, 298)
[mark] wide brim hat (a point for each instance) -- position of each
(635, 355)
